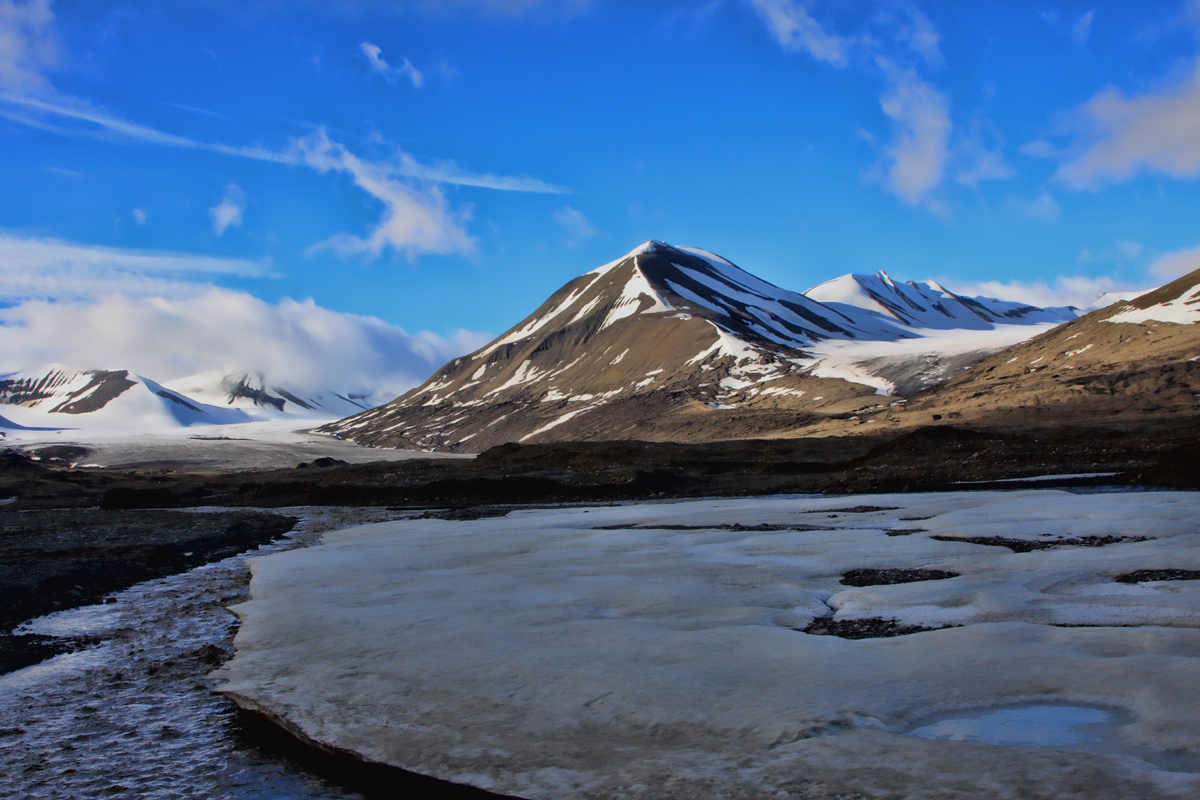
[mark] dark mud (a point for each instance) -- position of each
(1030, 545)
(891, 577)
(853, 510)
(871, 628)
(1143, 575)
(736, 526)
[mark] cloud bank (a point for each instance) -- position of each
(1078, 291)
(296, 344)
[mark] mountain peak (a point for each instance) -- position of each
(660, 335)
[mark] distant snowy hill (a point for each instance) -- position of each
(252, 393)
(888, 309)
(55, 396)
(676, 343)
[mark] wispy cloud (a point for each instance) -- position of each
(795, 29)
(891, 44)
(192, 109)
(416, 219)
(574, 223)
(228, 212)
(1040, 148)
(1082, 28)
(139, 216)
(391, 74)
(32, 267)
(1122, 136)
(917, 31)
(1043, 207)
(296, 344)
(101, 123)
(29, 44)
(493, 8)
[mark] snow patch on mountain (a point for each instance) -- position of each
(1182, 309)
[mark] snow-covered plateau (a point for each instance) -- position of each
(658, 650)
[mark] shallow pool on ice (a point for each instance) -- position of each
(1078, 727)
(1071, 727)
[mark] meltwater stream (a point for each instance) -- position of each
(134, 716)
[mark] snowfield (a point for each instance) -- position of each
(656, 650)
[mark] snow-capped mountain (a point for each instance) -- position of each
(878, 303)
(678, 343)
(252, 393)
(55, 396)
(1127, 361)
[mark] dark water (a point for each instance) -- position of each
(134, 716)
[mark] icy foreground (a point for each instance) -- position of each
(542, 656)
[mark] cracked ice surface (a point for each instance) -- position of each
(537, 656)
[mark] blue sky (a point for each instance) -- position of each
(442, 167)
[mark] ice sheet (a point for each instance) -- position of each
(540, 656)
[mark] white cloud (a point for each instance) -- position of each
(228, 212)
(391, 74)
(416, 219)
(139, 216)
(1078, 291)
(1123, 136)
(299, 345)
(575, 223)
(921, 126)
(1176, 263)
(1082, 28)
(29, 44)
(33, 268)
(1043, 207)
(795, 29)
